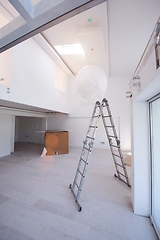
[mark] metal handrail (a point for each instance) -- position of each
(144, 52)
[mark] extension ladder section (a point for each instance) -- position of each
(104, 111)
(85, 155)
(114, 143)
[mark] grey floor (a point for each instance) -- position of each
(36, 203)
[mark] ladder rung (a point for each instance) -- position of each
(96, 116)
(90, 137)
(97, 106)
(84, 161)
(119, 165)
(122, 174)
(93, 126)
(113, 146)
(117, 155)
(107, 116)
(106, 105)
(112, 136)
(76, 185)
(86, 148)
(75, 196)
(80, 172)
(110, 126)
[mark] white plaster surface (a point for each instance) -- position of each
(155, 141)
(5, 134)
(36, 202)
(31, 78)
(141, 160)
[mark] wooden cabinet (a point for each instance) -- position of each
(56, 142)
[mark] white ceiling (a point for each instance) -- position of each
(114, 39)
(20, 20)
(7, 13)
(130, 26)
(91, 35)
(122, 26)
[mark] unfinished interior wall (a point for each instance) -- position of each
(29, 73)
(6, 67)
(150, 86)
(77, 121)
(5, 134)
(30, 129)
(12, 132)
(33, 78)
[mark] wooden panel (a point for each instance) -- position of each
(56, 142)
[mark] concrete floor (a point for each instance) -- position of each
(36, 203)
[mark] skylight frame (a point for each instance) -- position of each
(32, 26)
(72, 49)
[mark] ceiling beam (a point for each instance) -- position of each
(65, 10)
(25, 9)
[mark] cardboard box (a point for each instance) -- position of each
(56, 142)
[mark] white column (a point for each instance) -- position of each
(140, 159)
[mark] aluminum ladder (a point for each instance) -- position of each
(114, 143)
(85, 155)
(98, 111)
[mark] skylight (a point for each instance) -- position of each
(69, 49)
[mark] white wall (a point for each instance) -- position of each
(5, 134)
(150, 86)
(140, 162)
(30, 74)
(33, 78)
(30, 129)
(77, 121)
(155, 152)
(77, 127)
(6, 67)
(12, 132)
(7, 128)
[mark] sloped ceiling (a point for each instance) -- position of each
(34, 16)
(118, 33)
(114, 39)
(91, 35)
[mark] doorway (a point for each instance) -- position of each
(29, 133)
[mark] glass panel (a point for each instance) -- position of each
(34, 2)
(10, 21)
(22, 19)
(155, 159)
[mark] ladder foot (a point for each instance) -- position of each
(80, 209)
(123, 180)
(70, 186)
